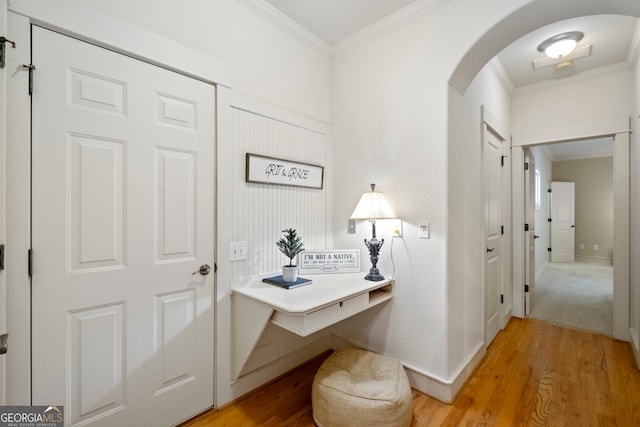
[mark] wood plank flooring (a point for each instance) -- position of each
(534, 373)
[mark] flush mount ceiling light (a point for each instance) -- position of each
(561, 44)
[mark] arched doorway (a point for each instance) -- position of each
(534, 15)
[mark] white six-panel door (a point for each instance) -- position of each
(563, 222)
(123, 191)
(492, 172)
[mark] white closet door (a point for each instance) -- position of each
(123, 156)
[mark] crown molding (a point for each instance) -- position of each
(282, 21)
(501, 74)
(406, 14)
(621, 67)
(285, 23)
(634, 49)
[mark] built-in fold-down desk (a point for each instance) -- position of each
(303, 310)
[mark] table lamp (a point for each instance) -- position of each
(372, 206)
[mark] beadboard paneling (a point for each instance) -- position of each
(262, 211)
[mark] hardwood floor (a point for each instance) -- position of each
(534, 373)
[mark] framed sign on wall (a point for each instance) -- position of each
(271, 170)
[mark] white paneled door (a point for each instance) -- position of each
(122, 201)
(563, 226)
(492, 171)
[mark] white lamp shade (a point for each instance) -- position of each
(372, 205)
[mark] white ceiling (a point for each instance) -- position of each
(610, 37)
(586, 149)
(335, 20)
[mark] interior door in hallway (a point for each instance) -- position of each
(492, 172)
(562, 221)
(530, 230)
(123, 156)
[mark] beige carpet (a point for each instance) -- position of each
(578, 295)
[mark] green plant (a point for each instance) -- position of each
(290, 245)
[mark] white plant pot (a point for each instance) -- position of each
(289, 273)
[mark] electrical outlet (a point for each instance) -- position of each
(595, 247)
(238, 251)
(397, 227)
(351, 226)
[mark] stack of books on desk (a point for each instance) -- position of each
(279, 281)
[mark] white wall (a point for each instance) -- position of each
(466, 243)
(257, 213)
(391, 124)
(575, 103)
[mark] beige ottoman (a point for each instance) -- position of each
(356, 387)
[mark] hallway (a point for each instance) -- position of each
(577, 295)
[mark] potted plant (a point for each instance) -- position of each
(290, 245)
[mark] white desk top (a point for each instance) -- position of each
(325, 290)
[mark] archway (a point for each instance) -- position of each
(532, 16)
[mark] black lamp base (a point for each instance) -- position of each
(374, 276)
(374, 246)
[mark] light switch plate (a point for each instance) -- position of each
(238, 251)
(424, 230)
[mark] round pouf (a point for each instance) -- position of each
(356, 387)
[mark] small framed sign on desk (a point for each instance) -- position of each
(329, 261)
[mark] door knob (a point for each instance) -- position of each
(4, 346)
(536, 237)
(204, 270)
(491, 249)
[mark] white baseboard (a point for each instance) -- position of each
(635, 346)
(594, 260)
(445, 390)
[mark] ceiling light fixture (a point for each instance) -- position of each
(561, 44)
